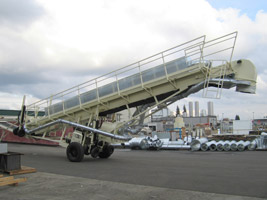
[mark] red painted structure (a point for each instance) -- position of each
(7, 136)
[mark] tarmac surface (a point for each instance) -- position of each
(140, 175)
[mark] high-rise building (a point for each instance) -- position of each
(190, 109)
(196, 109)
(210, 109)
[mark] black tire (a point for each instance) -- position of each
(95, 152)
(107, 151)
(75, 152)
(16, 130)
(21, 133)
(86, 150)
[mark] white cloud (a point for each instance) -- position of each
(71, 41)
(13, 101)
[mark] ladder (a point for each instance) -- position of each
(211, 61)
(214, 90)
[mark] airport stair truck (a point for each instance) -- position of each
(149, 84)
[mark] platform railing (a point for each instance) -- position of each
(114, 78)
(221, 48)
(193, 51)
(225, 48)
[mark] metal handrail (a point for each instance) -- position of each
(92, 80)
(112, 74)
(94, 83)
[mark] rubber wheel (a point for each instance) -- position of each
(16, 130)
(107, 151)
(75, 152)
(95, 152)
(86, 150)
(21, 133)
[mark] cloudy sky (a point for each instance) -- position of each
(49, 45)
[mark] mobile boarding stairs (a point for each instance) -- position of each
(151, 83)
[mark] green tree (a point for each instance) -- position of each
(237, 117)
(184, 109)
(177, 111)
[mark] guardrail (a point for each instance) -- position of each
(138, 73)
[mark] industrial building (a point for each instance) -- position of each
(195, 118)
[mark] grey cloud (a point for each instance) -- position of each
(41, 83)
(21, 12)
(9, 78)
(26, 82)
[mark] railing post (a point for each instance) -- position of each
(233, 47)
(165, 68)
(48, 108)
(140, 73)
(201, 50)
(118, 87)
(79, 94)
(63, 106)
(97, 92)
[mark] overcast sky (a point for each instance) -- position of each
(49, 45)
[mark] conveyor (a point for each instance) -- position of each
(154, 82)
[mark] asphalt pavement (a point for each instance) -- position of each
(181, 174)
